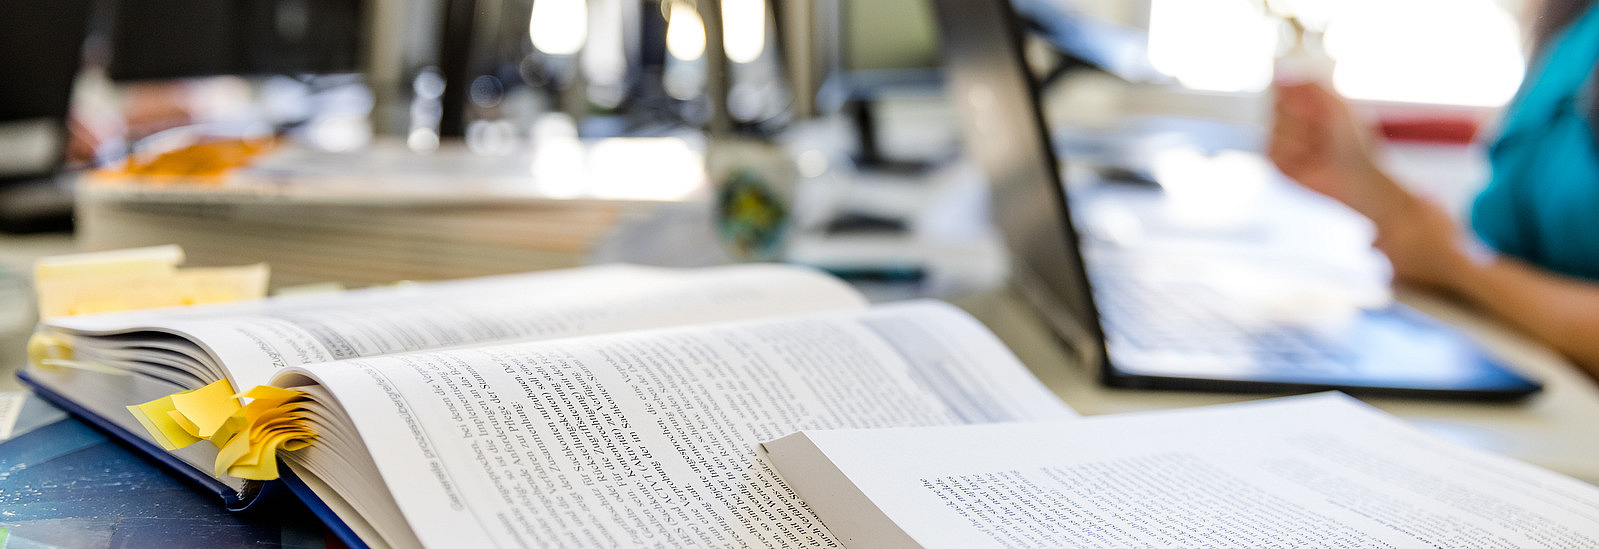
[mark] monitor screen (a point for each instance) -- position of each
(158, 39)
(39, 48)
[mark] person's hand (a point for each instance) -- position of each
(1315, 141)
(1425, 245)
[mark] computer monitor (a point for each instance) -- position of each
(160, 39)
(40, 45)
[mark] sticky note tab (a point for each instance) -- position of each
(260, 461)
(188, 426)
(154, 260)
(249, 441)
(247, 437)
(230, 452)
(156, 418)
(51, 350)
(271, 397)
(140, 278)
(207, 407)
(85, 295)
(46, 347)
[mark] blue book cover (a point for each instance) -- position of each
(64, 483)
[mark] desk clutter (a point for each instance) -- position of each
(623, 405)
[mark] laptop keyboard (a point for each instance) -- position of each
(1191, 318)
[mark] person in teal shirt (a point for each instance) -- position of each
(1538, 214)
(1542, 203)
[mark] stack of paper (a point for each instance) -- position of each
(1314, 471)
(389, 214)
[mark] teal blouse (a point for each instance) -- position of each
(1541, 203)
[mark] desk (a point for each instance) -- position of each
(1550, 430)
(1553, 429)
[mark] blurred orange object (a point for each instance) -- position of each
(203, 161)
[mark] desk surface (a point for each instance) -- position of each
(1552, 429)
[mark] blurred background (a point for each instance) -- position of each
(349, 143)
(89, 82)
(368, 141)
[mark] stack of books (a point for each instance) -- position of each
(389, 214)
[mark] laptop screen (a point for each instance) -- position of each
(1005, 133)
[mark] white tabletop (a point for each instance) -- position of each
(1553, 429)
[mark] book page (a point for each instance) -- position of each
(649, 438)
(1320, 471)
(255, 339)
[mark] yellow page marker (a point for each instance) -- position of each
(260, 459)
(266, 397)
(50, 351)
(230, 452)
(254, 454)
(222, 284)
(155, 260)
(260, 445)
(84, 295)
(207, 408)
(45, 347)
(156, 418)
(249, 440)
(264, 459)
(182, 421)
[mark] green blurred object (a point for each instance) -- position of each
(754, 182)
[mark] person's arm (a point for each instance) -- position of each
(1316, 142)
(1427, 249)
(1562, 312)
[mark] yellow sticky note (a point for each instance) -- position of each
(188, 426)
(207, 407)
(101, 294)
(199, 285)
(249, 441)
(230, 452)
(229, 429)
(260, 460)
(247, 437)
(156, 418)
(254, 456)
(45, 347)
(154, 260)
(264, 397)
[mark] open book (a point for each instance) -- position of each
(601, 406)
(1315, 471)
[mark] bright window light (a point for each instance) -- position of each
(1408, 51)
(744, 28)
(1456, 52)
(559, 27)
(1214, 45)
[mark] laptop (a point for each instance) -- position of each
(1166, 332)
